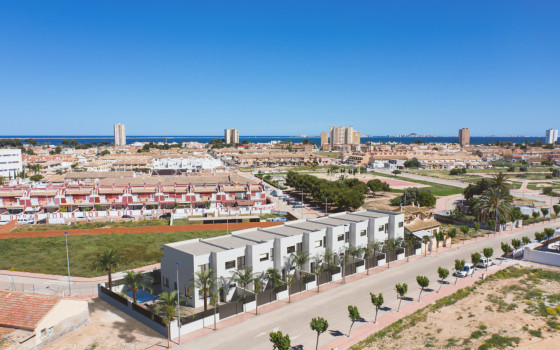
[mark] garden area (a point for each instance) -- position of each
(516, 307)
(48, 255)
(438, 190)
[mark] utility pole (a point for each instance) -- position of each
(68, 262)
(178, 304)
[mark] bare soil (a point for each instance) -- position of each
(381, 201)
(108, 328)
(505, 309)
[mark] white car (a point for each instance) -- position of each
(23, 221)
(466, 271)
(485, 262)
(3, 222)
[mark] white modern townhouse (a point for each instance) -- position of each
(265, 248)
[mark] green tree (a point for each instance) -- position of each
(319, 325)
(204, 280)
(290, 279)
(257, 288)
(37, 177)
(544, 212)
(476, 227)
(465, 230)
(475, 259)
(488, 252)
(408, 245)
(452, 234)
(214, 302)
(243, 277)
(371, 249)
(515, 243)
(535, 215)
(439, 238)
(134, 281)
(280, 341)
(274, 278)
(377, 301)
(539, 236)
(426, 240)
(391, 246)
(459, 266)
(525, 240)
(506, 249)
(107, 261)
(555, 208)
(353, 315)
(442, 273)
(167, 305)
(402, 289)
(412, 163)
(299, 259)
(423, 282)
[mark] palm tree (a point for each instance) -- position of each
(290, 279)
(214, 302)
(257, 288)
(425, 240)
(299, 259)
(500, 183)
(135, 281)
(107, 261)
(167, 305)
(408, 245)
(204, 280)
(243, 277)
(493, 202)
(318, 272)
(274, 278)
(371, 248)
(391, 244)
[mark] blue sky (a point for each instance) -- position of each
(279, 67)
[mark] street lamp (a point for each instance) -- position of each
(227, 222)
(178, 304)
(326, 205)
(68, 263)
(302, 206)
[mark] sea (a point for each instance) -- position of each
(56, 140)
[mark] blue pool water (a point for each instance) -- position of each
(142, 296)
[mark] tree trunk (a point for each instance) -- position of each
(376, 310)
(350, 330)
(256, 304)
(419, 295)
(215, 306)
(110, 280)
(134, 295)
(317, 345)
(399, 308)
(205, 299)
(440, 284)
(168, 335)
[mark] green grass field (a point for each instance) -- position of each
(436, 189)
(48, 255)
(90, 225)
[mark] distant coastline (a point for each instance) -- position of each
(55, 140)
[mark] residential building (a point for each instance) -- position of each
(324, 140)
(356, 138)
(264, 248)
(231, 136)
(10, 163)
(342, 135)
(32, 320)
(120, 135)
(464, 136)
(551, 136)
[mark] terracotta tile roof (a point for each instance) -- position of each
(24, 310)
(418, 225)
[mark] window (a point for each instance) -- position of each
(401, 224)
(363, 233)
(298, 247)
(386, 227)
(51, 331)
(203, 267)
(43, 332)
(271, 253)
(291, 249)
(241, 262)
(200, 294)
(174, 285)
(381, 228)
(346, 237)
(166, 282)
(230, 264)
(263, 257)
(340, 238)
(318, 243)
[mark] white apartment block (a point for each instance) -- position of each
(191, 164)
(10, 163)
(231, 136)
(264, 248)
(551, 136)
(120, 135)
(344, 135)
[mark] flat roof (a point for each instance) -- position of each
(259, 235)
(197, 248)
(310, 226)
(231, 241)
(372, 214)
(286, 231)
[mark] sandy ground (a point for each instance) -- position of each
(108, 328)
(394, 183)
(474, 319)
(381, 201)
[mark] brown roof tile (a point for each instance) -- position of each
(24, 310)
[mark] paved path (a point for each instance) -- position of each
(251, 332)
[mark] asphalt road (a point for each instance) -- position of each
(294, 318)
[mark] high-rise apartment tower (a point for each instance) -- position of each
(464, 136)
(120, 135)
(231, 136)
(551, 136)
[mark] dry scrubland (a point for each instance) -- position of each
(517, 307)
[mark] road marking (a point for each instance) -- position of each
(275, 329)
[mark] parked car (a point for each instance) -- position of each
(22, 221)
(484, 262)
(466, 271)
(3, 222)
(298, 205)
(165, 216)
(127, 217)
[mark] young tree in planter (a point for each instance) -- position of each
(506, 249)
(426, 241)
(290, 279)
(452, 234)
(377, 301)
(204, 280)
(280, 341)
(257, 288)
(442, 273)
(556, 209)
(459, 266)
(544, 212)
(401, 293)
(465, 230)
(488, 252)
(135, 281)
(439, 238)
(423, 282)
(535, 215)
(548, 232)
(525, 240)
(299, 259)
(319, 325)
(476, 227)
(516, 243)
(354, 316)
(475, 259)
(108, 261)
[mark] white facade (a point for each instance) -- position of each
(231, 136)
(551, 136)
(264, 248)
(10, 163)
(120, 135)
(190, 164)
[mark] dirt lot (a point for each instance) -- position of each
(381, 201)
(513, 308)
(108, 328)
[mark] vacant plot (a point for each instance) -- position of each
(436, 189)
(394, 183)
(92, 225)
(517, 307)
(48, 255)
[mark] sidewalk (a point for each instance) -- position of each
(406, 309)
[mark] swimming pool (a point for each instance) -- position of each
(142, 296)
